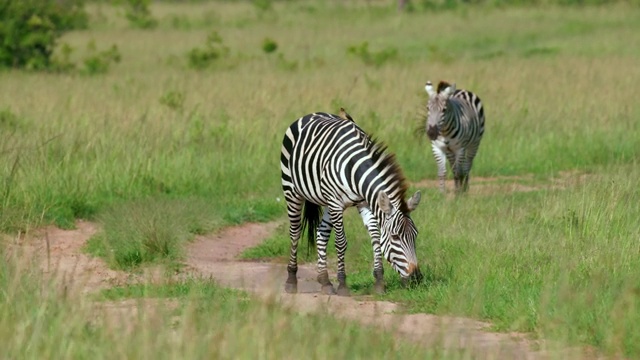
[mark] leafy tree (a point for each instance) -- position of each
(29, 30)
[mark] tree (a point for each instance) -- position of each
(29, 30)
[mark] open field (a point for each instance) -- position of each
(156, 153)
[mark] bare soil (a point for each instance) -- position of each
(482, 186)
(60, 257)
(266, 280)
(58, 254)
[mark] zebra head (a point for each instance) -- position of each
(437, 106)
(398, 235)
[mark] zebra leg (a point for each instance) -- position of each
(439, 155)
(470, 154)
(458, 170)
(451, 157)
(294, 211)
(464, 178)
(372, 226)
(324, 231)
(341, 247)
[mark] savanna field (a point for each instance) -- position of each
(175, 130)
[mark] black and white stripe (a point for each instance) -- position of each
(455, 125)
(329, 162)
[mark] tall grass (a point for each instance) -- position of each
(82, 143)
(158, 152)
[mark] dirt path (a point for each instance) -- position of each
(215, 256)
(58, 253)
(482, 186)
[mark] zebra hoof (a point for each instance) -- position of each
(328, 290)
(379, 288)
(343, 291)
(291, 288)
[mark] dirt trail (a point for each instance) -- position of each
(58, 253)
(482, 186)
(215, 256)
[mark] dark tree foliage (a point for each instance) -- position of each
(29, 30)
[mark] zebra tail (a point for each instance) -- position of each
(312, 215)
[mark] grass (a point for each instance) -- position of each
(556, 263)
(157, 152)
(192, 319)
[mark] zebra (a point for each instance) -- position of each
(455, 125)
(330, 162)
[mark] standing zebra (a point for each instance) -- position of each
(455, 125)
(330, 162)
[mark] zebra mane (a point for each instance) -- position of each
(378, 152)
(441, 86)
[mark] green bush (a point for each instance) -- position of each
(29, 30)
(202, 58)
(372, 58)
(98, 62)
(139, 15)
(263, 5)
(68, 14)
(173, 99)
(9, 120)
(269, 45)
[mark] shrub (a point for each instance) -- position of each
(68, 14)
(263, 5)
(99, 62)
(9, 120)
(202, 58)
(269, 46)
(173, 99)
(62, 62)
(376, 59)
(139, 15)
(29, 30)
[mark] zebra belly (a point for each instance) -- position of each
(326, 192)
(309, 190)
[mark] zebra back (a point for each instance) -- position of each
(337, 138)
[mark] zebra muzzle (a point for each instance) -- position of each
(415, 276)
(432, 132)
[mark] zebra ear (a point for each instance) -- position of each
(449, 90)
(413, 201)
(429, 88)
(384, 203)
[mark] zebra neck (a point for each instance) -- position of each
(454, 112)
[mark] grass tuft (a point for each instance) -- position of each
(150, 230)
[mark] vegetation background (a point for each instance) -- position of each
(164, 120)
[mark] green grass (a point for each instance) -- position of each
(157, 152)
(560, 264)
(189, 288)
(192, 319)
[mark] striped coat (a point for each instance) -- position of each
(329, 162)
(455, 126)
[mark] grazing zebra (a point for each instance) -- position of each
(330, 162)
(455, 125)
